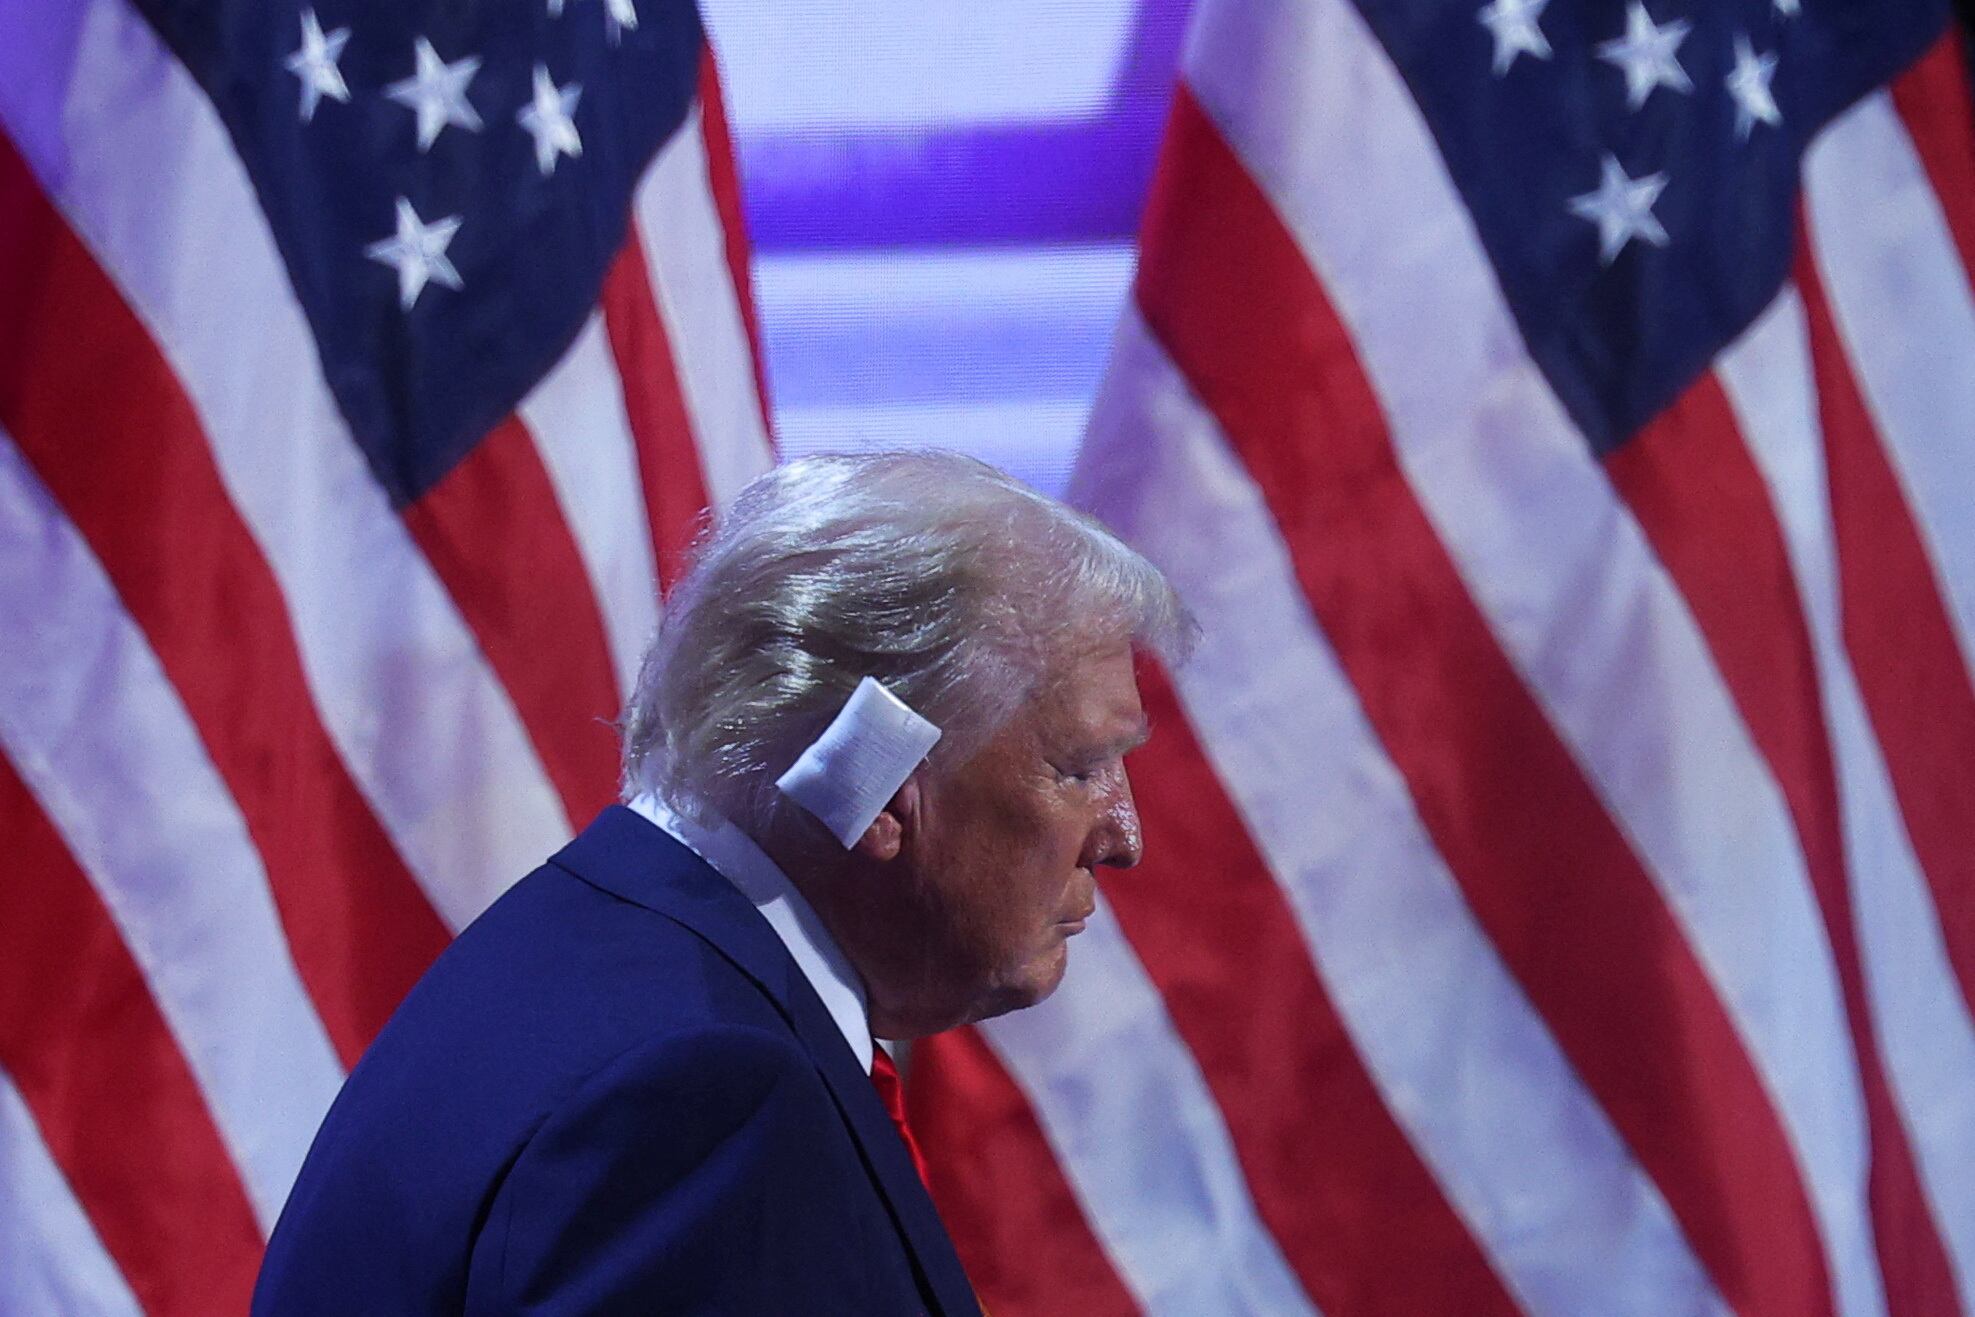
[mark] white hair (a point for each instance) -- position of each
(961, 590)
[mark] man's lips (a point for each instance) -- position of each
(1086, 888)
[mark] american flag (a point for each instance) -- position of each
(363, 369)
(1560, 879)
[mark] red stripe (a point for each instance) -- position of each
(494, 532)
(1902, 643)
(1019, 1230)
(1314, 1138)
(668, 459)
(97, 411)
(1697, 493)
(1933, 99)
(726, 184)
(120, 1111)
(1566, 902)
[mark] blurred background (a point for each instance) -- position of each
(943, 208)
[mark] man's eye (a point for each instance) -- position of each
(1091, 774)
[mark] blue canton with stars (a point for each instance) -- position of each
(1632, 165)
(447, 181)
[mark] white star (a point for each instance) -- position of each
(1513, 25)
(418, 250)
(438, 93)
(1789, 8)
(547, 120)
(1622, 208)
(1749, 85)
(620, 16)
(315, 65)
(1645, 52)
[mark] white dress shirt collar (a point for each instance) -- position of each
(733, 855)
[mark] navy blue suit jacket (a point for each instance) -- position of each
(614, 1093)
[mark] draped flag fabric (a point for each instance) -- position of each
(363, 368)
(1559, 892)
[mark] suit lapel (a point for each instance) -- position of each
(884, 1154)
(632, 858)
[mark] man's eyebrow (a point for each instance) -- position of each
(1114, 747)
(1139, 733)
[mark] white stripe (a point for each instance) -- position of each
(98, 734)
(1906, 314)
(1570, 587)
(685, 249)
(427, 731)
(1132, 1124)
(1463, 1061)
(1925, 1034)
(51, 1259)
(577, 417)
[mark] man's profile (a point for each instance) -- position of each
(873, 762)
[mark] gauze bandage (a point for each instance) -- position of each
(860, 761)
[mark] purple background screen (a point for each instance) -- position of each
(942, 200)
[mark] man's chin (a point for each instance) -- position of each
(1037, 981)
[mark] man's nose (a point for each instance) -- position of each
(1116, 840)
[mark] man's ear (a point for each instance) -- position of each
(885, 839)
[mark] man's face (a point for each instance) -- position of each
(1010, 841)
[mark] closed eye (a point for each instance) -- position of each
(1088, 774)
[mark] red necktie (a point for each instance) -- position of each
(891, 1092)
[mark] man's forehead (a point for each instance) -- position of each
(1097, 699)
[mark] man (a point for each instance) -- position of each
(874, 760)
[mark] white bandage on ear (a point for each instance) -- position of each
(860, 761)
